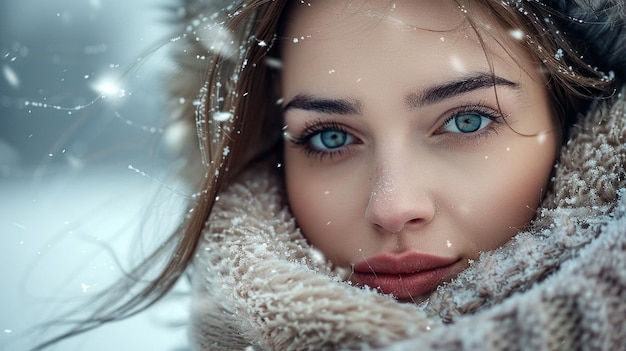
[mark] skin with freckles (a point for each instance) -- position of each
(403, 141)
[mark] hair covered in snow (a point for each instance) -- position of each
(226, 111)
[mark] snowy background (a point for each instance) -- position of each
(85, 185)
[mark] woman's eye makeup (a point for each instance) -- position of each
(471, 121)
(324, 139)
(327, 139)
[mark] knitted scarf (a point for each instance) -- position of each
(559, 285)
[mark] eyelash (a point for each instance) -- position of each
(313, 128)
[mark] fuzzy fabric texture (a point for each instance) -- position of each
(560, 285)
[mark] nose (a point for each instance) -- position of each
(398, 200)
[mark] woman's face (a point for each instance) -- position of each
(401, 161)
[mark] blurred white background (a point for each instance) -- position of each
(73, 214)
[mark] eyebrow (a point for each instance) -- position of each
(463, 85)
(431, 95)
(322, 105)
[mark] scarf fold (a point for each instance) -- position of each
(560, 284)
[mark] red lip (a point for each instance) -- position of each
(404, 276)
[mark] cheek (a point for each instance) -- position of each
(325, 207)
(507, 198)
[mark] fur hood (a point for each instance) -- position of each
(559, 285)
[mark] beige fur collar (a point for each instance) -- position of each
(562, 283)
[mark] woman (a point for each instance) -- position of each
(381, 206)
(416, 164)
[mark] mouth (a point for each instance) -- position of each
(404, 276)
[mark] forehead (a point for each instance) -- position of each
(322, 16)
(364, 39)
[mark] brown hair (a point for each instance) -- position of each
(238, 84)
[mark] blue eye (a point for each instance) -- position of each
(325, 139)
(467, 123)
(330, 139)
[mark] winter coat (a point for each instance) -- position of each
(559, 285)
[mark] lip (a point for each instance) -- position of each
(405, 276)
